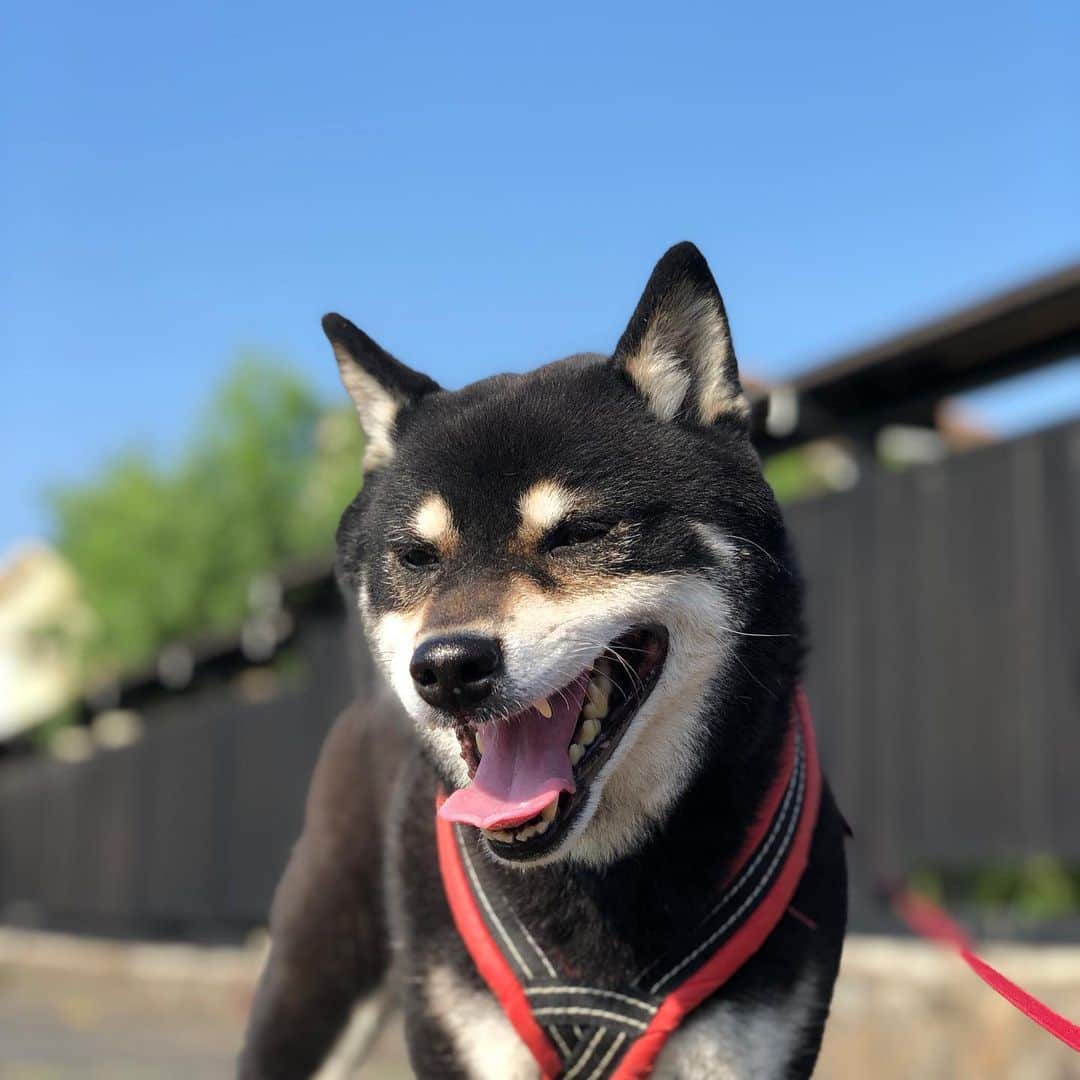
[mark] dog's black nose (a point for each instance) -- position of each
(457, 671)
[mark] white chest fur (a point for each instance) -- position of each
(739, 1042)
(721, 1041)
(485, 1042)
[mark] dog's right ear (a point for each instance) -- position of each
(380, 386)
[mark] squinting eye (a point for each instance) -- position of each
(419, 557)
(575, 534)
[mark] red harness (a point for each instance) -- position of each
(582, 1032)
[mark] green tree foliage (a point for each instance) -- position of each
(790, 476)
(165, 552)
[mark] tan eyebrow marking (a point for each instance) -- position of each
(542, 506)
(434, 523)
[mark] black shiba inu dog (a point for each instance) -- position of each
(578, 586)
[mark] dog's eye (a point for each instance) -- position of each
(419, 556)
(573, 534)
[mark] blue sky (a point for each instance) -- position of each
(483, 187)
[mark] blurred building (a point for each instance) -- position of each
(42, 622)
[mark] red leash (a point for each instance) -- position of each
(930, 922)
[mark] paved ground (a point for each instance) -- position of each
(71, 1009)
(86, 1026)
(82, 1026)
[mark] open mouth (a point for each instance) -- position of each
(530, 774)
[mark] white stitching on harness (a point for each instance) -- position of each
(599, 1070)
(560, 1042)
(536, 948)
(487, 907)
(580, 1010)
(601, 1032)
(591, 990)
(749, 900)
(774, 829)
(772, 832)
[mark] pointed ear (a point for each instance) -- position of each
(380, 386)
(677, 348)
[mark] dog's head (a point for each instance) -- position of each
(560, 572)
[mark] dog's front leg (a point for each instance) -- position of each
(329, 950)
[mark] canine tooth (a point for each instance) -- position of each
(541, 827)
(590, 728)
(598, 697)
(479, 744)
(549, 811)
(590, 711)
(542, 707)
(577, 752)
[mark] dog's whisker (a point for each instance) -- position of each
(771, 693)
(636, 683)
(745, 633)
(768, 554)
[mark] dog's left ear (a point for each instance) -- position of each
(381, 387)
(677, 348)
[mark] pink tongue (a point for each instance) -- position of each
(524, 766)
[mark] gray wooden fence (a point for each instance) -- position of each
(184, 833)
(944, 608)
(944, 677)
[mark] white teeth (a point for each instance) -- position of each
(526, 832)
(479, 744)
(590, 728)
(598, 697)
(577, 752)
(542, 707)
